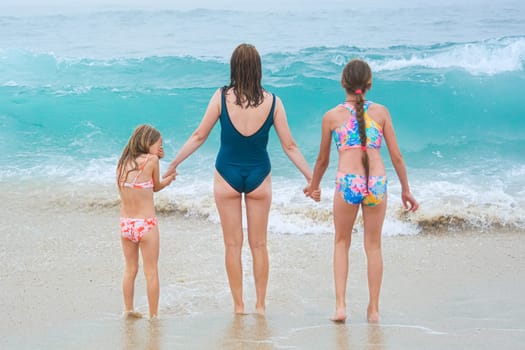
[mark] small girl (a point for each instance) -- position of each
(137, 179)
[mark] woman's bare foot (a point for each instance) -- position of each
(132, 314)
(260, 310)
(239, 309)
(339, 316)
(372, 315)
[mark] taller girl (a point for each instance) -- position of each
(358, 127)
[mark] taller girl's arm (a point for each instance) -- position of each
(287, 142)
(409, 202)
(199, 135)
(323, 159)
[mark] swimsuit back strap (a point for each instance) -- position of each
(141, 168)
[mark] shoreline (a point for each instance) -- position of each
(63, 268)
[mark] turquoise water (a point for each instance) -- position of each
(73, 87)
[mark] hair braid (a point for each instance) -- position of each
(356, 79)
(360, 116)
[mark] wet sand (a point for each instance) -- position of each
(60, 289)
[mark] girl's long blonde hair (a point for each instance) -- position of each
(139, 143)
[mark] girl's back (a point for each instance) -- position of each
(136, 191)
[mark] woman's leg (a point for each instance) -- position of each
(258, 204)
(149, 247)
(373, 218)
(344, 218)
(228, 203)
(131, 255)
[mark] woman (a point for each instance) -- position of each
(246, 112)
(358, 127)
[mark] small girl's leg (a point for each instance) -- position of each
(131, 255)
(149, 246)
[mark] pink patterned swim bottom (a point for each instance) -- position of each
(134, 229)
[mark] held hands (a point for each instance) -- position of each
(409, 202)
(170, 171)
(167, 180)
(314, 194)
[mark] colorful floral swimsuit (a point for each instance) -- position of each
(353, 187)
(131, 228)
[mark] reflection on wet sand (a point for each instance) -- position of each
(142, 334)
(375, 337)
(352, 337)
(248, 332)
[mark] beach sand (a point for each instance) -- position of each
(62, 268)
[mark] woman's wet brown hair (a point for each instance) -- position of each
(245, 76)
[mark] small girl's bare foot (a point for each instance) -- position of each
(132, 314)
(260, 310)
(339, 316)
(154, 318)
(372, 315)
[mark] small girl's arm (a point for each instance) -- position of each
(157, 183)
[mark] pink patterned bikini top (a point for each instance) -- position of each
(135, 184)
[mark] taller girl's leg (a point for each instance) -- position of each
(228, 203)
(373, 217)
(344, 218)
(258, 204)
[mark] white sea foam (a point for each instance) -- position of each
(489, 57)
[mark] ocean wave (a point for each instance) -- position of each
(478, 58)
(445, 206)
(309, 218)
(32, 69)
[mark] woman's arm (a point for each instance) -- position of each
(409, 202)
(287, 142)
(199, 135)
(323, 159)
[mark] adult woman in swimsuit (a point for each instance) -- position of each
(137, 178)
(358, 127)
(246, 112)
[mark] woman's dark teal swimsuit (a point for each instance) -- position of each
(243, 161)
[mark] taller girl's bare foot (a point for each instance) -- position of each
(372, 315)
(340, 315)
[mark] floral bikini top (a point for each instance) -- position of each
(135, 184)
(346, 136)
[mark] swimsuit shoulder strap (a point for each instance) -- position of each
(272, 110)
(141, 168)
